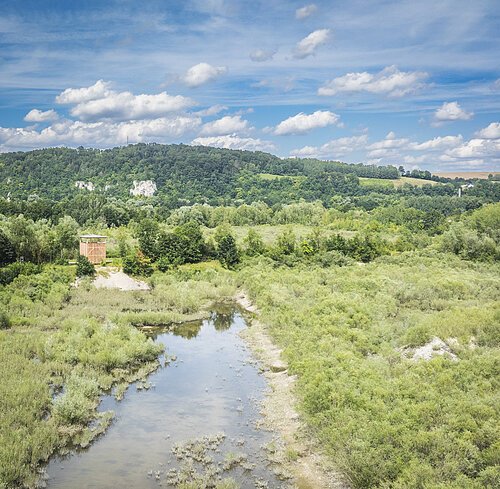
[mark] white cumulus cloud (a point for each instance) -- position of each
(36, 115)
(482, 149)
(202, 73)
(303, 123)
(451, 111)
(232, 141)
(438, 143)
(306, 11)
(127, 106)
(78, 95)
(100, 102)
(490, 132)
(332, 149)
(475, 149)
(389, 81)
(307, 46)
(226, 125)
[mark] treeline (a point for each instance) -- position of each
(165, 249)
(180, 171)
(198, 233)
(343, 193)
(41, 184)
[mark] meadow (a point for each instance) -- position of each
(396, 182)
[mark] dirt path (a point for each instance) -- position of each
(299, 452)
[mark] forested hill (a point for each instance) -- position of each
(179, 171)
(137, 181)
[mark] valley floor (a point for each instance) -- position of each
(348, 334)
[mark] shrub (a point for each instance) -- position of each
(170, 250)
(363, 249)
(137, 264)
(76, 405)
(4, 320)
(7, 251)
(285, 244)
(72, 408)
(254, 245)
(468, 244)
(193, 244)
(10, 272)
(227, 252)
(84, 268)
(163, 264)
(333, 258)
(147, 235)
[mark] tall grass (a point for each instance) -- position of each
(386, 420)
(65, 346)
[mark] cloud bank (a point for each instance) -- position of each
(390, 81)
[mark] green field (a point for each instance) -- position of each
(396, 182)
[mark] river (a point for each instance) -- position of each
(211, 393)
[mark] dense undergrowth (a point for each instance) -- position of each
(387, 420)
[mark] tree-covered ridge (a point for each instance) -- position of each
(45, 184)
(193, 172)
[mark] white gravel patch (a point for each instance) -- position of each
(118, 280)
(435, 347)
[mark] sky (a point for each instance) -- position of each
(412, 83)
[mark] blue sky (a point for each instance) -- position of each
(386, 82)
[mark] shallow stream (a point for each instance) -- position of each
(212, 387)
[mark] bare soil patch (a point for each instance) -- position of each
(116, 279)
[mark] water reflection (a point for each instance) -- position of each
(188, 330)
(223, 318)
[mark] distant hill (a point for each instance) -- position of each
(180, 171)
(466, 175)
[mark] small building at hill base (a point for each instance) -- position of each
(93, 246)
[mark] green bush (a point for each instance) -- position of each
(4, 320)
(72, 408)
(7, 251)
(254, 244)
(227, 252)
(469, 244)
(10, 272)
(84, 268)
(138, 264)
